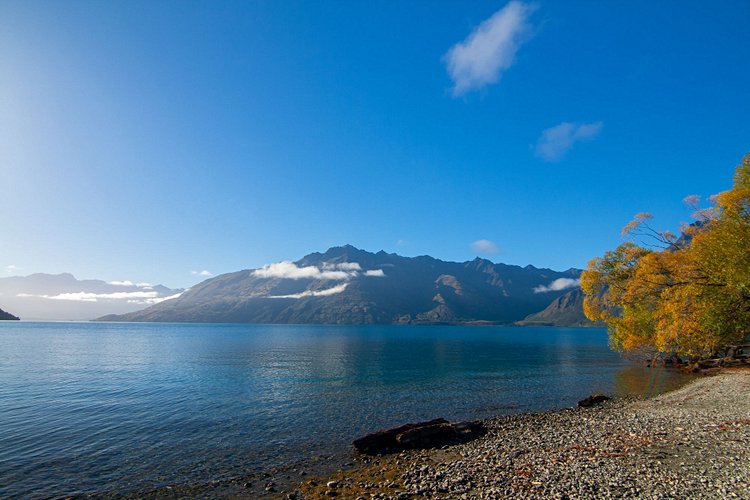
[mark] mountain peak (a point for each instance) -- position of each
(345, 253)
(61, 277)
(480, 264)
(345, 248)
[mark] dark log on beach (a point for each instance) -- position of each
(592, 400)
(422, 437)
(428, 434)
(385, 441)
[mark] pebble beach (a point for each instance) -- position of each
(693, 442)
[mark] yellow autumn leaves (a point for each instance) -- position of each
(691, 296)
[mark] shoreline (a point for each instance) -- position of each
(243, 438)
(692, 442)
(625, 447)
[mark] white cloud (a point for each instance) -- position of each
(557, 285)
(131, 297)
(556, 141)
(490, 49)
(289, 270)
(485, 247)
(121, 283)
(203, 273)
(143, 285)
(10, 269)
(156, 300)
(342, 266)
(334, 271)
(313, 293)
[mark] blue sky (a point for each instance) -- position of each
(145, 141)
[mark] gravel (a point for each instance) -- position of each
(690, 443)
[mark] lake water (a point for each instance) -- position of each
(102, 407)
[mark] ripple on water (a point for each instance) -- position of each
(92, 407)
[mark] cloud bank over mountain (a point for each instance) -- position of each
(63, 297)
(558, 285)
(326, 271)
(485, 247)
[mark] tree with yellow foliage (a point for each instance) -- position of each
(690, 296)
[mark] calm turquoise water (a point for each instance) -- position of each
(95, 407)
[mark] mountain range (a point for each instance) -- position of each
(352, 286)
(44, 296)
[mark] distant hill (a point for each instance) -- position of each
(7, 316)
(352, 286)
(43, 296)
(566, 310)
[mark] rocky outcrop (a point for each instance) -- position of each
(566, 310)
(7, 316)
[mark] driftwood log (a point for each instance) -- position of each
(592, 400)
(430, 434)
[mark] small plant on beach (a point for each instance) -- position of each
(688, 295)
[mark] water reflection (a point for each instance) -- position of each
(143, 405)
(645, 382)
